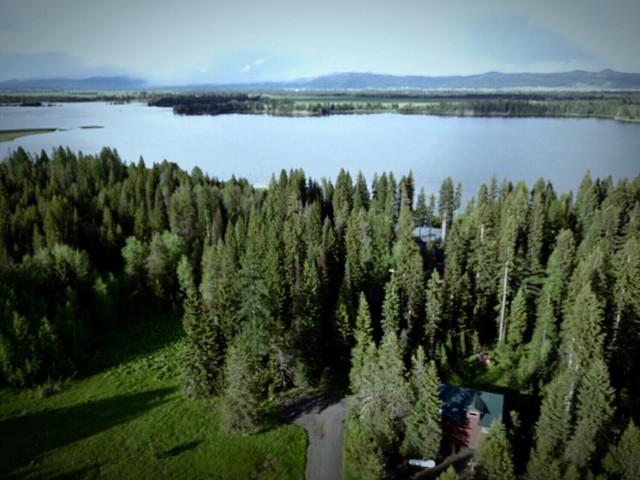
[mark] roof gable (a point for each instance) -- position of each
(458, 400)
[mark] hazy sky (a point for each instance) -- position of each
(253, 40)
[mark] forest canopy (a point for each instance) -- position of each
(325, 284)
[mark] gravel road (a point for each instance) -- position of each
(324, 419)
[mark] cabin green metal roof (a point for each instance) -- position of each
(457, 401)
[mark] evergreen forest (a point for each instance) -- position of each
(366, 289)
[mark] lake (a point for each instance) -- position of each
(470, 150)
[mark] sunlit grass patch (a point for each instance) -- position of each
(8, 135)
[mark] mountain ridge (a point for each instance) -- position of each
(118, 82)
(575, 79)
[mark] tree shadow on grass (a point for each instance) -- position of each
(86, 473)
(138, 334)
(25, 438)
(177, 450)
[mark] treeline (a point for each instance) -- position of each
(552, 283)
(41, 99)
(211, 104)
(615, 106)
(324, 284)
(549, 287)
(66, 269)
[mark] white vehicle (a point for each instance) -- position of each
(422, 463)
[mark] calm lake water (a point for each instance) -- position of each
(470, 150)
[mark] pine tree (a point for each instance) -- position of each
(448, 202)
(361, 193)
(559, 268)
(431, 213)
(627, 291)
(482, 263)
(582, 331)
(241, 399)
(191, 322)
(307, 324)
(203, 349)
(353, 246)
(227, 301)
(420, 213)
(572, 472)
(423, 432)
(294, 248)
(392, 205)
(341, 332)
(627, 453)
(254, 297)
(449, 474)
(390, 400)
(552, 428)
(275, 275)
(517, 320)
(542, 347)
(494, 457)
(543, 466)
(409, 188)
(363, 339)
(182, 213)
(342, 201)
(433, 310)
(594, 411)
(391, 307)
(140, 224)
(380, 234)
(363, 455)
(586, 204)
(536, 233)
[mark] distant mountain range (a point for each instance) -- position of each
(74, 84)
(606, 79)
(578, 79)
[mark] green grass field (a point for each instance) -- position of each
(8, 135)
(131, 421)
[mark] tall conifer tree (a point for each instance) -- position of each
(594, 411)
(494, 457)
(423, 432)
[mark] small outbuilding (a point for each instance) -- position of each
(467, 414)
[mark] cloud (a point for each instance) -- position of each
(204, 42)
(247, 68)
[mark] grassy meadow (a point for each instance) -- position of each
(8, 135)
(130, 420)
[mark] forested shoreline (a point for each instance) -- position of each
(315, 284)
(616, 105)
(623, 106)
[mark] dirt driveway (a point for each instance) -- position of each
(324, 419)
